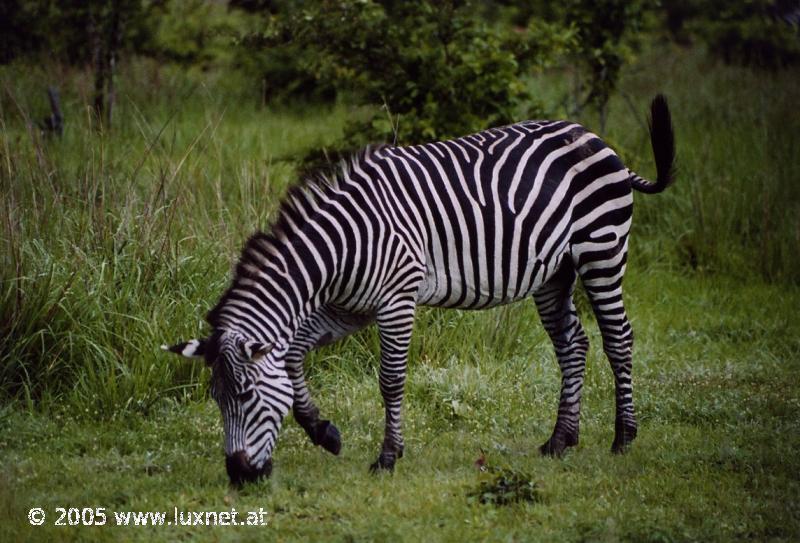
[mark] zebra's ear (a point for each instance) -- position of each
(194, 348)
(255, 350)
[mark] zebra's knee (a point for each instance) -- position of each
(617, 339)
(619, 352)
(579, 338)
(570, 346)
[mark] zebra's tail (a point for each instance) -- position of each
(662, 139)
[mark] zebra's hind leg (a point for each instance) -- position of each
(560, 319)
(603, 283)
(395, 322)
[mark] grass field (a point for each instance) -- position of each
(115, 243)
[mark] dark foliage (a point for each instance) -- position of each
(438, 69)
(505, 487)
(758, 33)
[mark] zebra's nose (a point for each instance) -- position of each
(240, 470)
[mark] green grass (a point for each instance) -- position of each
(114, 243)
(716, 459)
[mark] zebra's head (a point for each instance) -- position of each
(253, 392)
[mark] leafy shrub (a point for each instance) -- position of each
(752, 33)
(606, 34)
(69, 29)
(438, 68)
(193, 32)
(757, 33)
(504, 486)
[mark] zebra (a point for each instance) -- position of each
(476, 222)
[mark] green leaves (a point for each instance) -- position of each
(504, 487)
(438, 67)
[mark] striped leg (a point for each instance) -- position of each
(603, 282)
(395, 323)
(306, 413)
(320, 329)
(560, 319)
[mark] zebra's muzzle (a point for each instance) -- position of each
(240, 470)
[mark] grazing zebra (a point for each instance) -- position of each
(487, 219)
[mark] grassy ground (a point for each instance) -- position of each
(115, 243)
(716, 367)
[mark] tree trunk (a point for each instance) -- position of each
(115, 38)
(106, 34)
(98, 64)
(55, 123)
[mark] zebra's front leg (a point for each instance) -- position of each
(560, 319)
(395, 323)
(306, 413)
(325, 326)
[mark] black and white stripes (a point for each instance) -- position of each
(491, 218)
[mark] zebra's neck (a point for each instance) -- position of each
(284, 276)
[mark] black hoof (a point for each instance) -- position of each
(384, 463)
(557, 445)
(623, 437)
(328, 436)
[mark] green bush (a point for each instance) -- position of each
(753, 33)
(437, 69)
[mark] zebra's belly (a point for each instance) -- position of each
(454, 288)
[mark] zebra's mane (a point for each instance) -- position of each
(313, 190)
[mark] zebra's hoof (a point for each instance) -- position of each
(623, 437)
(328, 436)
(557, 445)
(384, 463)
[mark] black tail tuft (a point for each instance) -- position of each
(662, 139)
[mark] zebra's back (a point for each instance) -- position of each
(494, 213)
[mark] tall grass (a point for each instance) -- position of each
(115, 241)
(735, 208)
